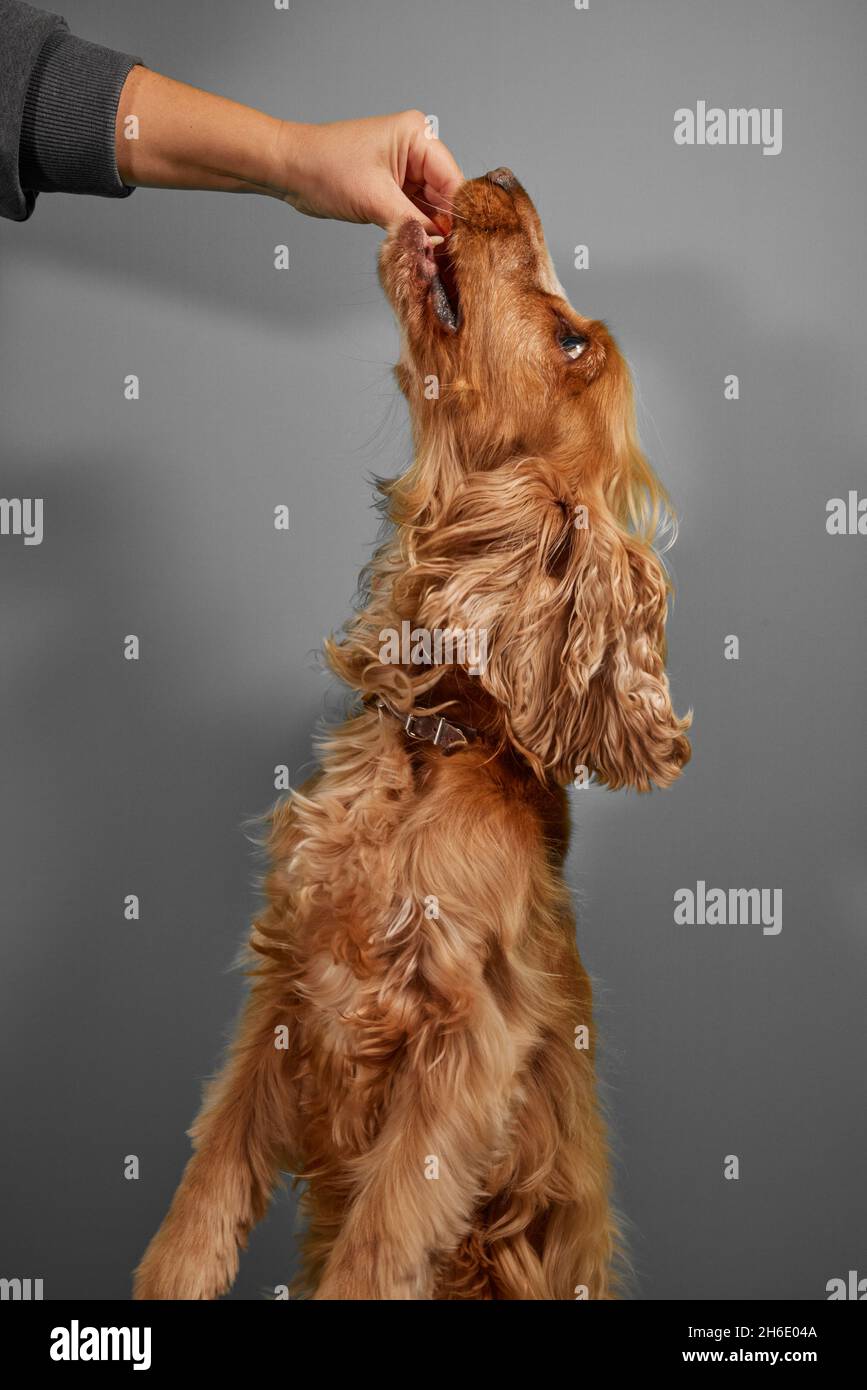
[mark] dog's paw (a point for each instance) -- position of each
(185, 1265)
(370, 1273)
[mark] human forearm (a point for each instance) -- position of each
(376, 169)
(96, 121)
(169, 135)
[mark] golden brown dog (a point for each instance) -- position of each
(414, 1041)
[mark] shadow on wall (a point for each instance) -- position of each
(125, 779)
(158, 242)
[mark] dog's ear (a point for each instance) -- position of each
(572, 611)
(627, 732)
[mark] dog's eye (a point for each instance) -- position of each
(573, 345)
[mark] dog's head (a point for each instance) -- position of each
(530, 511)
(492, 349)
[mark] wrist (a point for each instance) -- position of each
(288, 161)
(260, 163)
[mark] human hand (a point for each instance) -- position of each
(378, 169)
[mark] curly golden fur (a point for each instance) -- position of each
(408, 1048)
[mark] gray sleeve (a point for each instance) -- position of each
(58, 102)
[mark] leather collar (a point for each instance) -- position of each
(431, 728)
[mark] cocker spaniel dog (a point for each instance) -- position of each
(417, 1045)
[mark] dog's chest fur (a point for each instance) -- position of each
(400, 896)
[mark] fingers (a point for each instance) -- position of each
(380, 169)
(432, 163)
(433, 175)
(397, 207)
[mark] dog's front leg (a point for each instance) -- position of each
(420, 1182)
(240, 1136)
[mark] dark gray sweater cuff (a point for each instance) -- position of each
(67, 128)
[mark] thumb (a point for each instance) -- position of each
(396, 208)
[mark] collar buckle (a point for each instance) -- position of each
(430, 728)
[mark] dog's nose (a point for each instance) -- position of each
(504, 178)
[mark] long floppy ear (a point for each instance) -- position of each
(572, 608)
(627, 731)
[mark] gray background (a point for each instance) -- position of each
(261, 387)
